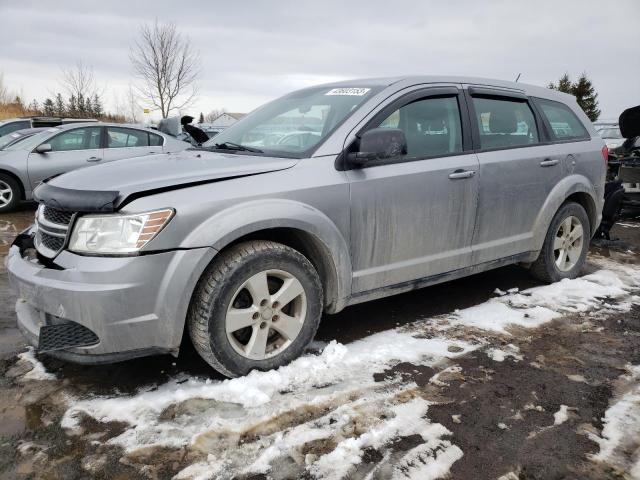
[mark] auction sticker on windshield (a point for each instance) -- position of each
(358, 92)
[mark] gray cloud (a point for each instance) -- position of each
(252, 51)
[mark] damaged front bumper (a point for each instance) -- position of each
(135, 305)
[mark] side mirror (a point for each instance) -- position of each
(44, 148)
(379, 144)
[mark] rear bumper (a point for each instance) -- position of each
(135, 305)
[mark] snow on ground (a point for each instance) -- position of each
(620, 436)
(323, 412)
(561, 416)
(38, 372)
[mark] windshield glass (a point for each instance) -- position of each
(610, 133)
(7, 139)
(33, 141)
(292, 126)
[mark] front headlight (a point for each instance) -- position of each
(115, 233)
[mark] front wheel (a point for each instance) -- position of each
(9, 193)
(257, 306)
(565, 247)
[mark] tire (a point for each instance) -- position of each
(549, 267)
(9, 193)
(226, 291)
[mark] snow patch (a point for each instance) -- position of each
(500, 355)
(561, 415)
(38, 372)
(619, 441)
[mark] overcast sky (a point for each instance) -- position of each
(253, 51)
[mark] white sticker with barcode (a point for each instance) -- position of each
(355, 91)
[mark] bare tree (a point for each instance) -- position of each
(79, 81)
(4, 91)
(167, 67)
(213, 114)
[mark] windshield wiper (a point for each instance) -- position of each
(237, 147)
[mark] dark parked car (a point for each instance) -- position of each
(13, 124)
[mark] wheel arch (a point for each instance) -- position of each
(291, 223)
(576, 188)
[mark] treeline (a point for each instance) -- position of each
(73, 107)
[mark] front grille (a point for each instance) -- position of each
(51, 242)
(52, 229)
(65, 335)
(57, 216)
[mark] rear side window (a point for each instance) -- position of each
(155, 140)
(126, 137)
(505, 123)
(13, 126)
(563, 122)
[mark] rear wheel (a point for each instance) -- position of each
(9, 193)
(565, 247)
(257, 306)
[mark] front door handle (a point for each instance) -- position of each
(462, 174)
(94, 159)
(549, 162)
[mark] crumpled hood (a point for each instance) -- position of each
(105, 187)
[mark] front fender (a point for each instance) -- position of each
(558, 195)
(235, 222)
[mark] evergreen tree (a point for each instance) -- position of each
(48, 108)
(60, 108)
(72, 107)
(587, 97)
(97, 107)
(201, 119)
(584, 92)
(81, 107)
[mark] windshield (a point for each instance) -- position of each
(292, 126)
(33, 141)
(610, 133)
(7, 139)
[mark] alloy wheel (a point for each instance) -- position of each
(568, 243)
(266, 314)
(6, 194)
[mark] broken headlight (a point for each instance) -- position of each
(116, 233)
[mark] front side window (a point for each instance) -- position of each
(504, 123)
(294, 125)
(126, 137)
(564, 123)
(77, 139)
(431, 126)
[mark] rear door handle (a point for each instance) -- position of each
(458, 174)
(94, 159)
(548, 162)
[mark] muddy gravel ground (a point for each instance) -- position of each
(489, 377)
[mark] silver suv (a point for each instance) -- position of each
(390, 185)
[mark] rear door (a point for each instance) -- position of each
(518, 169)
(71, 149)
(413, 216)
(122, 142)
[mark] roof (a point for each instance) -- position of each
(409, 80)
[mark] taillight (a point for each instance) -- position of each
(605, 154)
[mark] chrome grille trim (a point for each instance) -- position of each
(51, 237)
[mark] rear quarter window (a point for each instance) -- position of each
(564, 124)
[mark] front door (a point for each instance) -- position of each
(413, 216)
(70, 149)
